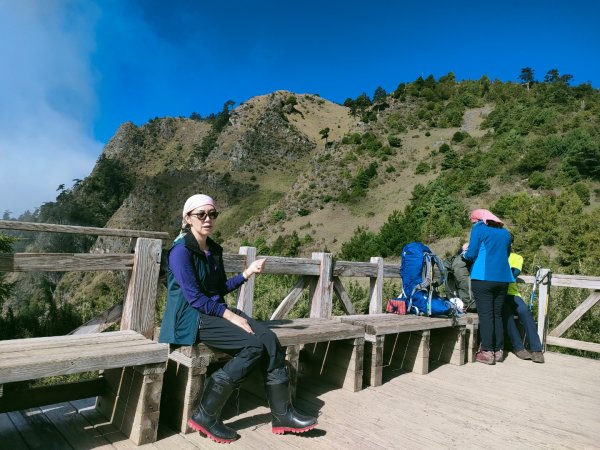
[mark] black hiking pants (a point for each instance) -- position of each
(248, 350)
(489, 298)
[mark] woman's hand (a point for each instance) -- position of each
(237, 320)
(256, 267)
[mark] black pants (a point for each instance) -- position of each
(247, 349)
(489, 298)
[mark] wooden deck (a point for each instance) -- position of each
(516, 404)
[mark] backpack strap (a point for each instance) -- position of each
(443, 272)
(429, 274)
(426, 283)
(444, 281)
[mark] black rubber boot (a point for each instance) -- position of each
(206, 419)
(285, 417)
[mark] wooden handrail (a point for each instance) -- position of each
(320, 274)
(64, 262)
(73, 229)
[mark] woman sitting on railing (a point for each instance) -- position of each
(197, 284)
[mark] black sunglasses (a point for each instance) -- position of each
(202, 214)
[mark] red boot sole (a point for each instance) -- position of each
(282, 430)
(194, 426)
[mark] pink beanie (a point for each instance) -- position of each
(196, 201)
(485, 215)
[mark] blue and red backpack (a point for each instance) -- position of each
(422, 272)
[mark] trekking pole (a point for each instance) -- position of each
(536, 280)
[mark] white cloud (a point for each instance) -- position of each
(47, 100)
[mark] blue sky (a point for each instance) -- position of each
(74, 70)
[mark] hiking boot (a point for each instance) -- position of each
(206, 419)
(285, 417)
(485, 357)
(537, 357)
(499, 355)
(523, 354)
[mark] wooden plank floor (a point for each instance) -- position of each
(514, 405)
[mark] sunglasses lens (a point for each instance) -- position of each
(202, 214)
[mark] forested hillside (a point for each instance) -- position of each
(295, 173)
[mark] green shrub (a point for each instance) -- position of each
(537, 180)
(291, 100)
(534, 159)
(470, 142)
(582, 191)
(422, 168)
(459, 136)
(278, 216)
(477, 187)
(451, 160)
(394, 141)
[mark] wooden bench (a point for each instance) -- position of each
(132, 366)
(128, 389)
(325, 348)
(410, 342)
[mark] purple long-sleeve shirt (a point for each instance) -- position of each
(211, 302)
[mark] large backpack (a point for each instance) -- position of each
(422, 272)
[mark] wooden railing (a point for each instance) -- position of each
(321, 275)
(136, 312)
(554, 337)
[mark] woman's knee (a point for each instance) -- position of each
(268, 338)
(520, 306)
(253, 346)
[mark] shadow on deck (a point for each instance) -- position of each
(516, 404)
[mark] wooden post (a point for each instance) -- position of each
(471, 341)
(322, 299)
(129, 273)
(132, 400)
(376, 289)
(416, 352)
(245, 300)
(543, 305)
(138, 309)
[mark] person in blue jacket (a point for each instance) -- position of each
(488, 248)
(196, 310)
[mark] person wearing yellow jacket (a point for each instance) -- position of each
(514, 304)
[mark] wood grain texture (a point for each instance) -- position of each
(140, 301)
(246, 291)
(63, 262)
(28, 359)
(72, 229)
(376, 287)
(322, 295)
